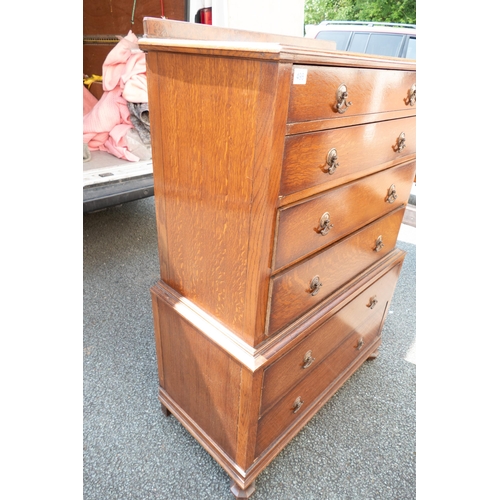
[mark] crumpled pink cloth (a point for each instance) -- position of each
(89, 100)
(106, 125)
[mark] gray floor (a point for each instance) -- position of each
(361, 444)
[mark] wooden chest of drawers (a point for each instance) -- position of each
(282, 171)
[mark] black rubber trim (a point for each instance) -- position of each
(116, 193)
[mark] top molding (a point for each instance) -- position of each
(177, 36)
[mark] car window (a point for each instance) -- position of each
(383, 44)
(358, 42)
(339, 37)
(411, 51)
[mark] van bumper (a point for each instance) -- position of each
(99, 197)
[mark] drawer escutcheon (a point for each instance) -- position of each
(297, 404)
(412, 95)
(315, 285)
(325, 224)
(391, 194)
(379, 244)
(400, 143)
(308, 360)
(331, 160)
(342, 102)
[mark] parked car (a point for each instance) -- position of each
(383, 39)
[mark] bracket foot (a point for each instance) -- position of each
(239, 493)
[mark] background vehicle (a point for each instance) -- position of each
(383, 39)
(108, 180)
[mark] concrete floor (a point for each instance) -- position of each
(360, 445)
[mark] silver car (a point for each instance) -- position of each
(383, 39)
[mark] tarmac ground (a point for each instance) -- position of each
(360, 445)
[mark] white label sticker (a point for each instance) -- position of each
(299, 76)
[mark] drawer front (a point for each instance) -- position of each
(304, 228)
(286, 412)
(293, 292)
(304, 358)
(344, 153)
(368, 91)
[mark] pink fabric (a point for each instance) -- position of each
(89, 100)
(106, 125)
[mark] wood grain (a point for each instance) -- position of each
(361, 150)
(291, 290)
(309, 389)
(369, 90)
(240, 186)
(284, 373)
(220, 168)
(350, 207)
(209, 396)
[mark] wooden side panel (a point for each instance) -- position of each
(157, 133)
(198, 376)
(251, 385)
(218, 160)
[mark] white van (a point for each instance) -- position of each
(383, 39)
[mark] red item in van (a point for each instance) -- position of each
(206, 15)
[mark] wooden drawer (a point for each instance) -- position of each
(369, 91)
(292, 293)
(304, 358)
(349, 207)
(283, 415)
(305, 158)
(328, 373)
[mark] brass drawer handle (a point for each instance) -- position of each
(308, 360)
(331, 160)
(342, 103)
(360, 344)
(297, 404)
(401, 143)
(412, 95)
(373, 302)
(379, 244)
(391, 194)
(315, 285)
(325, 224)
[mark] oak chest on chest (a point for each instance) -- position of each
(282, 171)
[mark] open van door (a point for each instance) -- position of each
(110, 177)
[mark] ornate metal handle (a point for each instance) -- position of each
(412, 95)
(373, 302)
(379, 244)
(315, 285)
(401, 143)
(324, 224)
(391, 194)
(297, 404)
(331, 160)
(308, 360)
(360, 344)
(342, 103)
